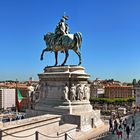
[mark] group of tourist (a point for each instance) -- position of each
(12, 117)
(119, 126)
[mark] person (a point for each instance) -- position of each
(22, 117)
(120, 121)
(125, 123)
(127, 131)
(113, 115)
(115, 126)
(133, 124)
(17, 117)
(119, 132)
(62, 28)
(134, 111)
(110, 124)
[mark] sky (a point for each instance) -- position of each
(110, 31)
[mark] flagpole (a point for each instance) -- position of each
(16, 98)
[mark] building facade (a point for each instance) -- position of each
(137, 94)
(97, 92)
(96, 89)
(25, 90)
(114, 91)
(7, 98)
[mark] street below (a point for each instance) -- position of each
(134, 134)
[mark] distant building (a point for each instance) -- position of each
(97, 92)
(116, 91)
(96, 89)
(110, 89)
(137, 94)
(111, 82)
(7, 98)
(25, 89)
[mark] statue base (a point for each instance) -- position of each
(52, 84)
(55, 99)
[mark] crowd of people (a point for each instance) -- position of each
(121, 126)
(11, 117)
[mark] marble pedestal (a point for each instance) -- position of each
(65, 90)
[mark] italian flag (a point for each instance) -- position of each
(19, 98)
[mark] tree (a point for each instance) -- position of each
(112, 100)
(134, 82)
(138, 82)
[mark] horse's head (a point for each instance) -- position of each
(49, 36)
(49, 39)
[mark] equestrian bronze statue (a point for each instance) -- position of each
(61, 40)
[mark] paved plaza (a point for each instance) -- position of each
(134, 135)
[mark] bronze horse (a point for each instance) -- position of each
(63, 43)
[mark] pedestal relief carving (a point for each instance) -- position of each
(86, 90)
(73, 93)
(65, 93)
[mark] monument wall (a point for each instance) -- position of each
(48, 125)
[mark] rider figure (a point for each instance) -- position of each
(62, 28)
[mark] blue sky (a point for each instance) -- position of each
(110, 30)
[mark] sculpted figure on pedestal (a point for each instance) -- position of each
(73, 93)
(65, 92)
(86, 90)
(79, 92)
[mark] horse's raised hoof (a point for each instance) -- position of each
(79, 64)
(41, 58)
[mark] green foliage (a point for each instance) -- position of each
(112, 100)
(138, 82)
(134, 82)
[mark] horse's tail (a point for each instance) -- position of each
(78, 37)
